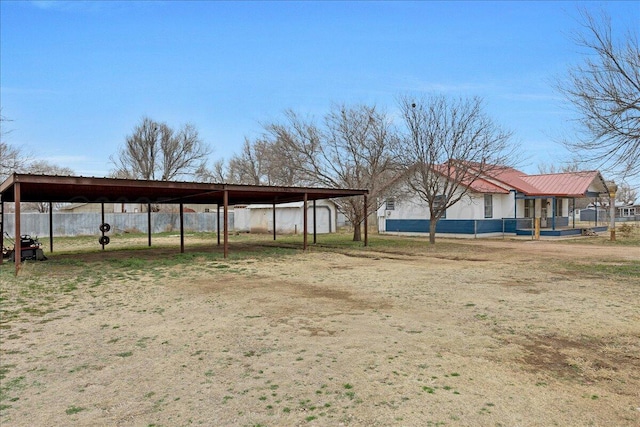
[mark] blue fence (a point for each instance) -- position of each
(453, 226)
(466, 226)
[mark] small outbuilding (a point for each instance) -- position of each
(289, 217)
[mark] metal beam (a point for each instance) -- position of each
(304, 222)
(50, 227)
(225, 201)
(102, 228)
(218, 223)
(366, 222)
(149, 223)
(1, 230)
(181, 228)
(274, 220)
(314, 221)
(17, 247)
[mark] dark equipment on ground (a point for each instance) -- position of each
(30, 249)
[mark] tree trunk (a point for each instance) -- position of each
(432, 231)
(357, 235)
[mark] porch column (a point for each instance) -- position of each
(304, 222)
(17, 247)
(612, 210)
(553, 213)
(574, 212)
(181, 228)
(50, 227)
(226, 223)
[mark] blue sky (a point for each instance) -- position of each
(76, 77)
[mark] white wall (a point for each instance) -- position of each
(470, 206)
(289, 218)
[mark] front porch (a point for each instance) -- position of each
(561, 232)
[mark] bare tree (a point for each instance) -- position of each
(573, 166)
(605, 91)
(45, 168)
(264, 162)
(449, 144)
(156, 151)
(12, 159)
(353, 149)
(250, 166)
(626, 194)
(217, 174)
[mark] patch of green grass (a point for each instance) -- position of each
(125, 354)
(74, 410)
(4, 370)
(621, 269)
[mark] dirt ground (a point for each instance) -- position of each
(477, 333)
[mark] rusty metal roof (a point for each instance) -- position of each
(78, 189)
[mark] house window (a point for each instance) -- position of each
(391, 204)
(206, 210)
(488, 205)
(439, 203)
(529, 208)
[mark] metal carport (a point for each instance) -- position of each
(19, 188)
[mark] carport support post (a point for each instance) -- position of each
(17, 247)
(181, 228)
(101, 228)
(304, 222)
(149, 223)
(218, 224)
(1, 229)
(274, 220)
(366, 222)
(50, 227)
(225, 202)
(314, 221)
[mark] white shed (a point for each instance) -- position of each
(288, 218)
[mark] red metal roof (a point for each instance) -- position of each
(570, 184)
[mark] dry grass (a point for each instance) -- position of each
(469, 333)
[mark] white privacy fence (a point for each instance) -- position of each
(78, 224)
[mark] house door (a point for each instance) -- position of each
(543, 213)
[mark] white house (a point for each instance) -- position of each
(506, 201)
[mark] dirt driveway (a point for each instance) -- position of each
(481, 333)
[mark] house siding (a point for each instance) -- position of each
(453, 226)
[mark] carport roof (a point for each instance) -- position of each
(78, 189)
